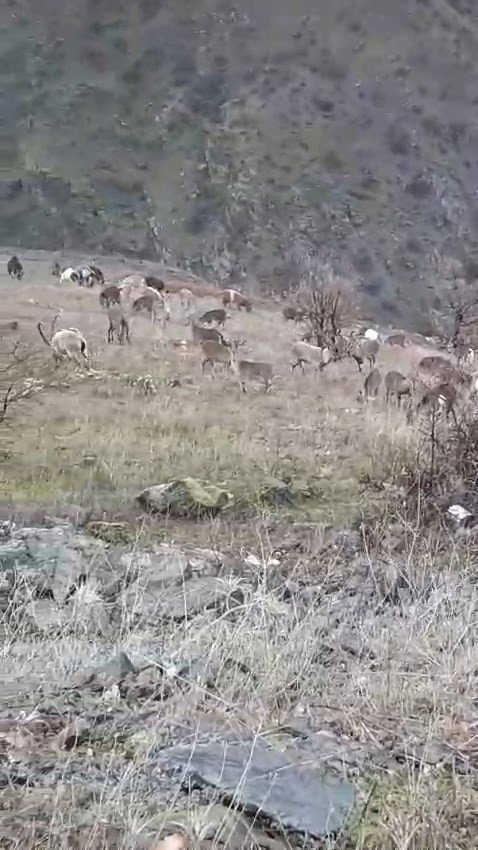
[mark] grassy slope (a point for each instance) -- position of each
(250, 136)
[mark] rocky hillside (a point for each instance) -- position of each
(247, 137)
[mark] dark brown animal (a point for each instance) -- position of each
(154, 282)
(109, 296)
(371, 386)
(219, 316)
(293, 314)
(15, 268)
(442, 397)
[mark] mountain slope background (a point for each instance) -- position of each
(256, 138)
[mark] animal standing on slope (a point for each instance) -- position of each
(66, 344)
(218, 316)
(304, 352)
(89, 275)
(251, 370)
(15, 268)
(153, 304)
(118, 324)
(365, 350)
(110, 295)
(233, 298)
(371, 386)
(70, 275)
(397, 386)
(200, 333)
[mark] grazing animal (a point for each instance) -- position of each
(396, 340)
(304, 352)
(434, 371)
(442, 397)
(215, 352)
(187, 302)
(294, 314)
(371, 386)
(68, 343)
(69, 275)
(118, 324)
(154, 283)
(233, 298)
(219, 316)
(251, 370)
(152, 303)
(15, 268)
(200, 333)
(397, 386)
(109, 296)
(89, 275)
(366, 350)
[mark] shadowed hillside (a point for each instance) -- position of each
(246, 137)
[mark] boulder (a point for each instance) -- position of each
(185, 497)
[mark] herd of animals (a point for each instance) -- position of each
(436, 382)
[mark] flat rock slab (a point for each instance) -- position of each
(262, 779)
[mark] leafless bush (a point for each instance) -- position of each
(23, 373)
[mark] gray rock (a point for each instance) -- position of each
(263, 780)
(185, 496)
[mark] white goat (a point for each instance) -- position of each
(304, 352)
(187, 302)
(371, 333)
(66, 344)
(69, 275)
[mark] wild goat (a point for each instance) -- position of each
(187, 302)
(252, 370)
(154, 305)
(90, 275)
(304, 352)
(398, 339)
(68, 344)
(200, 333)
(69, 275)
(233, 298)
(109, 296)
(154, 283)
(434, 371)
(219, 316)
(442, 397)
(366, 350)
(371, 386)
(396, 386)
(215, 352)
(15, 268)
(294, 314)
(118, 324)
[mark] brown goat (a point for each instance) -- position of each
(219, 316)
(365, 350)
(398, 339)
(396, 386)
(118, 324)
(154, 282)
(109, 296)
(201, 333)
(371, 386)
(233, 298)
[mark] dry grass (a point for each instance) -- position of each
(381, 651)
(101, 440)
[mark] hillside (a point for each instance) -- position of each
(255, 138)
